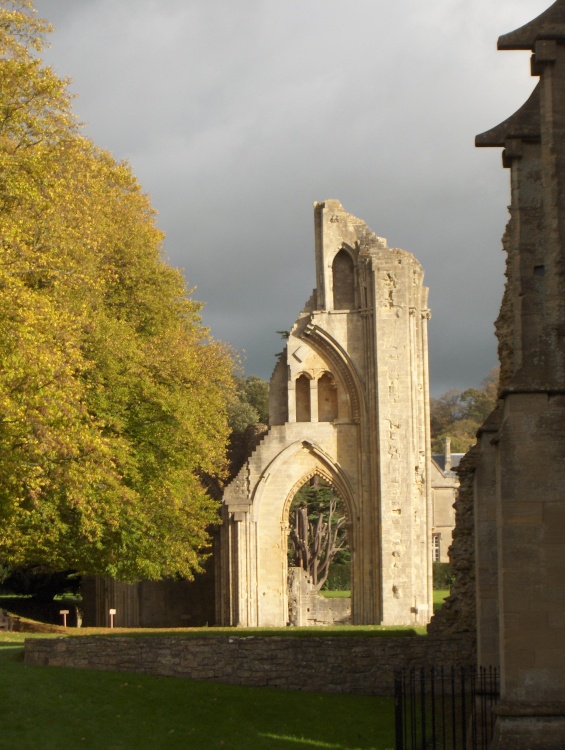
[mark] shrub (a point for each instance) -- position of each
(443, 577)
(339, 578)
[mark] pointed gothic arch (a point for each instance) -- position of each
(343, 277)
(303, 399)
(317, 462)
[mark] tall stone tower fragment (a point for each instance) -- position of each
(349, 402)
(520, 481)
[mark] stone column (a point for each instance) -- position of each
(314, 400)
(291, 401)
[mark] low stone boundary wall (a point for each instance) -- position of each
(338, 665)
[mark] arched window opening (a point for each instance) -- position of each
(302, 399)
(327, 398)
(343, 281)
(317, 540)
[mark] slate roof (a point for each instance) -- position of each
(439, 458)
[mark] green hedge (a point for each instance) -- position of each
(339, 578)
(443, 578)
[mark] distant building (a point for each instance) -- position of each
(445, 483)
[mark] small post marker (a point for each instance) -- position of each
(112, 612)
(64, 612)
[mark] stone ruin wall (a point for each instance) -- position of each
(307, 607)
(364, 329)
(342, 664)
(459, 612)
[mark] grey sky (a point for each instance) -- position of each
(237, 116)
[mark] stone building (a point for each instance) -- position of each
(349, 403)
(444, 482)
(518, 468)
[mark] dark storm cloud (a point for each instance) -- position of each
(237, 116)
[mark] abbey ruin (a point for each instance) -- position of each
(348, 403)
(349, 406)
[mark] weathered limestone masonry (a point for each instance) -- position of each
(458, 614)
(520, 475)
(349, 402)
(307, 607)
(332, 665)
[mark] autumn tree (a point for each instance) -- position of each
(459, 414)
(112, 394)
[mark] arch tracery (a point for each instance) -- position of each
(341, 366)
(324, 466)
(318, 471)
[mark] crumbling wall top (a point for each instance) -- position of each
(345, 229)
(363, 234)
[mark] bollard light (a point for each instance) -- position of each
(112, 612)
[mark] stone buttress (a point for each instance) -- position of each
(520, 481)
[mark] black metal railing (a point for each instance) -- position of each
(445, 708)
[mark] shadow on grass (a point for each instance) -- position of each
(51, 707)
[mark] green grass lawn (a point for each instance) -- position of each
(51, 708)
(335, 594)
(322, 631)
(439, 597)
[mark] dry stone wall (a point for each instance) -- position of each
(363, 665)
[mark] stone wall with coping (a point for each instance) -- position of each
(342, 664)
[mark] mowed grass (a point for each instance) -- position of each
(48, 708)
(440, 595)
(335, 594)
(326, 631)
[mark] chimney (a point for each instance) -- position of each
(447, 462)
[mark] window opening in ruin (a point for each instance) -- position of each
(317, 539)
(436, 547)
(303, 399)
(327, 398)
(343, 281)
